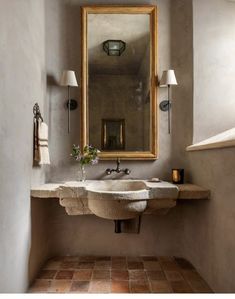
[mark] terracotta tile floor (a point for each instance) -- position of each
(104, 274)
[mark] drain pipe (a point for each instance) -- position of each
(117, 226)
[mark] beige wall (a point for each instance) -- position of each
(22, 73)
(209, 226)
(89, 234)
(214, 67)
(63, 51)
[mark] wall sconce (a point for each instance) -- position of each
(168, 79)
(114, 47)
(68, 79)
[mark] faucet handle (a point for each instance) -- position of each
(127, 171)
(108, 171)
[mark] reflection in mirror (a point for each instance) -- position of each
(119, 79)
(113, 134)
(119, 72)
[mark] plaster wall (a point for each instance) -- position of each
(89, 234)
(22, 72)
(208, 228)
(63, 52)
(214, 67)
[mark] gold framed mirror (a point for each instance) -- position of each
(119, 81)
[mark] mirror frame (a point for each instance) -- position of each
(152, 154)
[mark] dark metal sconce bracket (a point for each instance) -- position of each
(73, 104)
(36, 112)
(165, 105)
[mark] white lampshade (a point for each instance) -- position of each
(68, 78)
(168, 78)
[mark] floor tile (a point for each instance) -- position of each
(152, 265)
(135, 265)
(181, 287)
(199, 286)
(139, 286)
(69, 265)
(60, 286)
(103, 258)
(64, 274)
(190, 275)
(137, 275)
(47, 274)
(100, 286)
(71, 258)
(86, 265)
(79, 287)
(119, 275)
(101, 274)
(82, 275)
(102, 265)
(170, 266)
(87, 258)
(52, 265)
(173, 276)
(120, 287)
(118, 259)
(122, 264)
(160, 286)
(156, 275)
(40, 286)
(134, 259)
(184, 264)
(149, 258)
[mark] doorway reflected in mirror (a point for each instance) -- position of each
(113, 134)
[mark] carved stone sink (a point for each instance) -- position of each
(112, 199)
(117, 199)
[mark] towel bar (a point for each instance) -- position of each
(36, 112)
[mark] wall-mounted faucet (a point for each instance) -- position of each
(118, 169)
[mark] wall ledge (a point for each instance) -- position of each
(222, 140)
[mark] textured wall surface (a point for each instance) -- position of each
(22, 72)
(214, 67)
(89, 233)
(209, 227)
(63, 51)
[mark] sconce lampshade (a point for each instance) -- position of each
(168, 78)
(68, 78)
(114, 47)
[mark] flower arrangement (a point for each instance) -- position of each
(89, 155)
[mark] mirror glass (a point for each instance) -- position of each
(120, 114)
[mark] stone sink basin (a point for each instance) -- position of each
(117, 199)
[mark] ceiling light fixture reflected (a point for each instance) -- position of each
(114, 47)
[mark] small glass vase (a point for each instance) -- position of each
(82, 173)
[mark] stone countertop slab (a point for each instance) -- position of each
(74, 189)
(192, 192)
(158, 189)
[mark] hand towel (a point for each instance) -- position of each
(36, 156)
(43, 143)
(40, 145)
